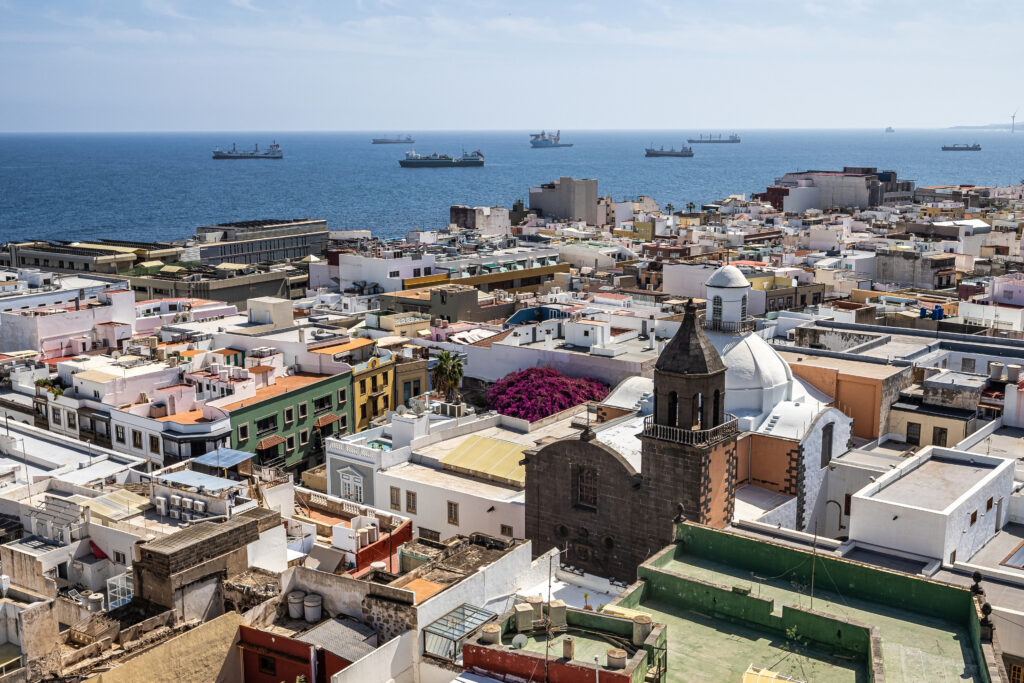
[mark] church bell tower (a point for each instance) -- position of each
(689, 442)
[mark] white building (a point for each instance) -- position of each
(23, 288)
(942, 504)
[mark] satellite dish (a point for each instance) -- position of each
(519, 641)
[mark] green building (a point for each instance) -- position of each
(286, 422)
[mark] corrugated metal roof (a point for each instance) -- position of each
(197, 479)
(490, 458)
(95, 376)
(223, 457)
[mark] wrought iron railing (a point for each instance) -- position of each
(690, 437)
(742, 325)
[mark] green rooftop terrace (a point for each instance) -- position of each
(730, 601)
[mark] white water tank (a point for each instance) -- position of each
(295, 599)
(311, 605)
(378, 566)
(94, 603)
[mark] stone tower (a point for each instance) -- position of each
(689, 443)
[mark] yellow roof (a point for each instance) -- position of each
(150, 264)
(490, 458)
(109, 247)
(352, 345)
(171, 269)
(231, 266)
(116, 505)
(95, 376)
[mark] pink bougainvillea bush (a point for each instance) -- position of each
(535, 393)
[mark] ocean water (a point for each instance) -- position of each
(162, 186)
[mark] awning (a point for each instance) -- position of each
(270, 442)
(325, 420)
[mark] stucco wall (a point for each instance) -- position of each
(203, 654)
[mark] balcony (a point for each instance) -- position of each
(744, 325)
(690, 437)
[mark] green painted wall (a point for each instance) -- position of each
(841, 576)
(304, 455)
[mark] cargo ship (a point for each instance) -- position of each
(414, 160)
(712, 139)
(273, 152)
(890, 129)
(962, 148)
(407, 140)
(545, 140)
(662, 152)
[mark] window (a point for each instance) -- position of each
(268, 665)
(119, 433)
(396, 498)
(453, 513)
(322, 405)
(290, 442)
(826, 443)
(743, 307)
(393, 273)
(136, 439)
(343, 424)
(410, 502)
(351, 485)
(584, 486)
(506, 530)
(988, 505)
(72, 421)
(119, 557)
(362, 386)
(846, 504)
(243, 432)
(303, 410)
(938, 436)
(430, 534)
(289, 415)
(1017, 673)
(966, 365)
(716, 310)
(303, 437)
(266, 425)
(154, 443)
(913, 434)
(342, 396)
(952, 557)
(974, 518)
(54, 416)
(373, 383)
(362, 412)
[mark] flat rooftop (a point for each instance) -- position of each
(849, 367)
(453, 481)
(935, 484)
(1005, 442)
(281, 385)
(915, 647)
(705, 649)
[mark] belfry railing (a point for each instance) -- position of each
(690, 437)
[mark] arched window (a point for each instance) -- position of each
(351, 485)
(716, 416)
(716, 311)
(743, 307)
(673, 409)
(697, 418)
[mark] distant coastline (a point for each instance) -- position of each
(985, 126)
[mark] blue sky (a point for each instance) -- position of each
(179, 65)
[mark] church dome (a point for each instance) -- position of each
(727, 277)
(756, 378)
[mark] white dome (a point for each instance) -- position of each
(727, 277)
(756, 377)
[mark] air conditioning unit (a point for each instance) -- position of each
(199, 506)
(175, 501)
(186, 516)
(161, 505)
(175, 513)
(186, 503)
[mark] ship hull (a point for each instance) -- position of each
(550, 146)
(961, 149)
(438, 163)
(655, 153)
(248, 156)
(713, 142)
(391, 142)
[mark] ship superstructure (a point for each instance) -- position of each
(272, 152)
(545, 140)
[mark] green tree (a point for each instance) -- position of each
(448, 374)
(690, 206)
(670, 209)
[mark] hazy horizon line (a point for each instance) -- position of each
(981, 127)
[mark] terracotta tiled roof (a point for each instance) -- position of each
(325, 420)
(270, 442)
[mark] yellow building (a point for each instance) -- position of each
(372, 383)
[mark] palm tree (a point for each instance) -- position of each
(670, 209)
(448, 374)
(690, 206)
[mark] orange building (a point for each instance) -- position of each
(862, 390)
